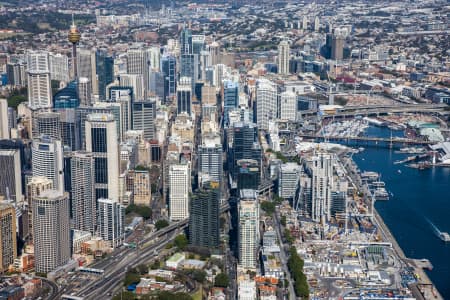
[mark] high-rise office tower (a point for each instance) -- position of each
(179, 187)
(248, 174)
(136, 61)
(283, 57)
(184, 96)
(36, 185)
(288, 179)
(84, 204)
(214, 52)
(153, 58)
(210, 158)
(337, 45)
(186, 41)
(67, 97)
(266, 102)
(156, 85)
(8, 241)
(322, 168)
(136, 82)
(16, 73)
(204, 216)
(141, 188)
(245, 145)
(38, 77)
(51, 231)
(188, 67)
(4, 127)
(10, 175)
(168, 67)
(248, 213)
(144, 115)
(105, 73)
(86, 66)
(84, 91)
(288, 106)
(47, 160)
(59, 67)
(111, 221)
(230, 98)
(101, 140)
(305, 23)
(316, 24)
(48, 124)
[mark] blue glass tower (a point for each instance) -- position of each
(67, 97)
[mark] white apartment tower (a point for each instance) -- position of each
(51, 232)
(39, 81)
(248, 212)
(111, 221)
(322, 166)
(47, 160)
(288, 179)
(288, 106)
(266, 102)
(102, 141)
(179, 188)
(283, 57)
(4, 126)
(83, 192)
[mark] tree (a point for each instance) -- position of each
(268, 207)
(144, 211)
(160, 224)
(295, 265)
(283, 220)
(198, 275)
(221, 280)
(142, 269)
(124, 295)
(181, 241)
(173, 296)
(130, 278)
(288, 236)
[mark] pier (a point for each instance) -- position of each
(364, 140)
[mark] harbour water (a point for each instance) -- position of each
(418, 197)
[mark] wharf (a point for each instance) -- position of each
(424, 288)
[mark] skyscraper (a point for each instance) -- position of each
(59, 67)
(316, 24)
(8, 242)
(51, 232)
(142, 194)
(322, 180)
(179, 188)
(86, 65)
(283, 57)
(248, 212)
(10, 175)
(288, 106)
(48, 124)
(184, 96)
(230, 98)
(266, 102)
(111, 221)
(288, 179)
(204, 209)
(38, 77)
(102, 141)
(337, 45)
(84, 91)
(84, 204)
(210, 158)
(4, 127)
(136, 82)
(47, 160)
(105, 73)
(168, 67)
(144, 114)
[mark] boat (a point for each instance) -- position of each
(444, 236)
(361, 149)
(381, 194)
(378, 184)
(399, 171)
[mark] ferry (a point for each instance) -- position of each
(412, 150)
